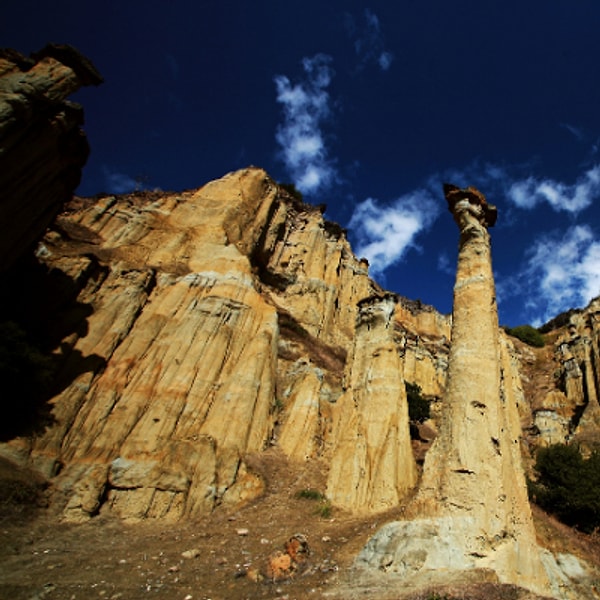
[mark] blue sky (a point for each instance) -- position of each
(369, 108)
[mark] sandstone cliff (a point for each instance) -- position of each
(210, 324)
(205, 326)
(566, 408)
(42, 146)
(191, 329)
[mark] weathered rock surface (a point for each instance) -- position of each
(191, 351)
(423, 336)
(578, 354)
(191, 331)
(560, 382)
(42, 147)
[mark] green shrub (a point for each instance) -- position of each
(567, 485)
(324, 506)
(310, 494)
(324, 510)
(527, 334)
(418, 407)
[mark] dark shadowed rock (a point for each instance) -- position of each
(42, 145)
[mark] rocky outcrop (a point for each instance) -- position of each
(578, 377)
(209, 324)
(423, 336)
(191, 331)
(43, 147)
(560, 381)
(471, 512)
(162, 429)
(212, 324)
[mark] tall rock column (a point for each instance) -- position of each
(373, 467)
(471, 511)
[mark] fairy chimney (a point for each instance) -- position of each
(471, 511)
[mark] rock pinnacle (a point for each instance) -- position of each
(471, 513)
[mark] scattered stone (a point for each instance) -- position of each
(193, 553)
(297, 547)
(242, 531)
(254, 575)
(280, 566)
(292, 560)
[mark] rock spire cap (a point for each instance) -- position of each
(454, 194)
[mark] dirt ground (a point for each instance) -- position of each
(41, 557)
(218, 558)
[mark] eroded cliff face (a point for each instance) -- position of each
(205, 326)
(42, 147)
(193, 331)
(562, 381)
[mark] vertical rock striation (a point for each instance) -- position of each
(578, 357)
(203, 327)
(372, 467)
(471, 512)
(169, 378)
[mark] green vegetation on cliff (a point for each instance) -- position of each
(527, 334)
(418, 407)
(567, 485)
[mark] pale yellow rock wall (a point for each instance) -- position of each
(578, 362)
(323, 279)
(159, 420)
(219, 322)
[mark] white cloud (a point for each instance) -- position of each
(445, 265)
(119, 183)
(385, 60)
(386, 232)
(564, 271)
(530, 192)
(306, 107)
(369, 41)
(576, 132)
